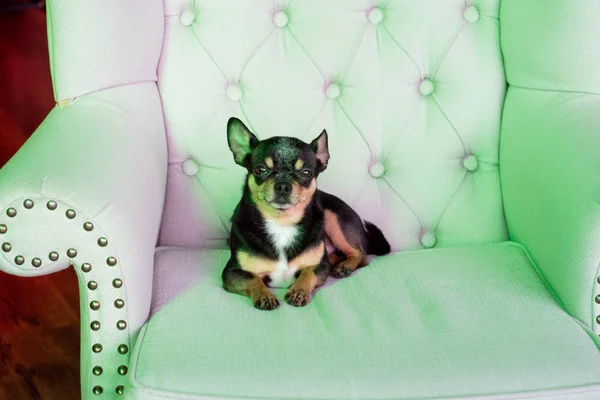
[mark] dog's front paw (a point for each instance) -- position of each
(342, 270)
(265, 301)
(297, 297)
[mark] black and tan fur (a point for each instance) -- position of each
(283, 221)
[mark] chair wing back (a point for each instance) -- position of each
(96, 45)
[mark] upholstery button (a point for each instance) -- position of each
(377, 170)
(426, 87)
(375, 15)
(187, 17)
(428, 239)
(471, 14)
(470, 162)
(280, 19)
(190, 167)
(333, 90)
(234, 92)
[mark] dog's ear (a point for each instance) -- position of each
(319, 146)
(241, 141)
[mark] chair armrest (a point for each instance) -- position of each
(87, 189)
(550, 145)
(550, 173)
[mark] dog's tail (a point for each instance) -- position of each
(376, 242)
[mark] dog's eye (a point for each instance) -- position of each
(260, 170)
(307, 173)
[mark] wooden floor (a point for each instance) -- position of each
(39, 317)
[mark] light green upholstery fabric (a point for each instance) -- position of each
(104, 158)
(551, 176)
(410, 92)
(96, 45)
(551, 44)
(550, 144)
(461, 321)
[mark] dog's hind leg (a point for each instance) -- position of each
(347, 239)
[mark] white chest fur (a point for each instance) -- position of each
(281, 236)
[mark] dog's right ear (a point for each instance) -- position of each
(321, 149)
(241, 141)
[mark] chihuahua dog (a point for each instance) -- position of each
(284, 230)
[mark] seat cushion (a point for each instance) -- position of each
(440, 323)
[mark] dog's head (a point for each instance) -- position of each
(282, 171)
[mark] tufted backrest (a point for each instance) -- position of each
(410, 92)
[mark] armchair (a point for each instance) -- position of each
(468, 131)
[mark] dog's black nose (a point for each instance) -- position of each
(283, 188)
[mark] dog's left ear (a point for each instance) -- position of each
(319, 146)
(241, 141)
